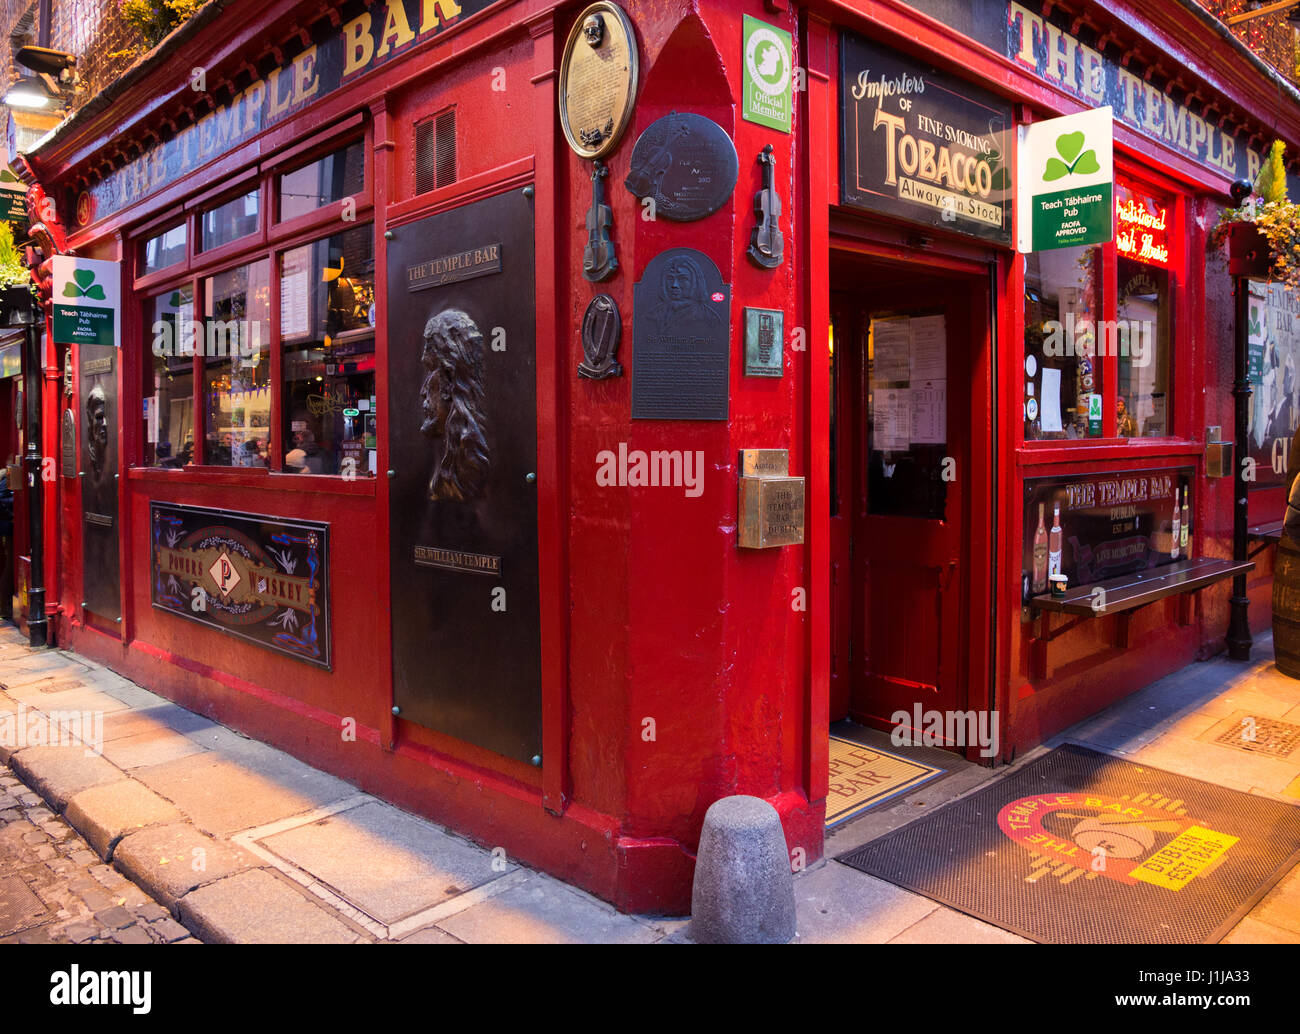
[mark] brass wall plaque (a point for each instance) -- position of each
(771, 512)
(598, 80)
(764, 462)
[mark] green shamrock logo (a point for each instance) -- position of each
(1068, 146)
(85, 286)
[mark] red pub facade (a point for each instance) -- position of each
(339, 483)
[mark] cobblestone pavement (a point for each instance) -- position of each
(55, 890)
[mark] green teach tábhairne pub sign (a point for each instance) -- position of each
(1066, 182)
(13, 201)
(87, 301)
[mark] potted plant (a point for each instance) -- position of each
(1262, 237)
(17, 292)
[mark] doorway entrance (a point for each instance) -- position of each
(910, 440)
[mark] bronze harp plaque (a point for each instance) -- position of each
(598, 80)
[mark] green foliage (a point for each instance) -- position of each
(154, 19)
(1270, 185)
(1273, 214)
(13, 270)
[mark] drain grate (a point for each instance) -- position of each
(19, 907)
(1261, 735)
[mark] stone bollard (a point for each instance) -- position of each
(744, 890)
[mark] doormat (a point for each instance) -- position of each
(1080, 847)
(862, 777)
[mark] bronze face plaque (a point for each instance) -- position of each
(771, 512)
(681, 339)
(602, 326)
(463, 536)
(598, 80)
(687, 164)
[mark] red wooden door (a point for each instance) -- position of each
(913, 342)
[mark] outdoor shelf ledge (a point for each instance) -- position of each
(1270, 531)
(1135, 590)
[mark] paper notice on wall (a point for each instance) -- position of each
(929, 349)
(1050, 405)
(930, 413)
(891, 343)
(891, 428)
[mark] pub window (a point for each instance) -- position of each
(1144, 313)
(327, 332)
(236, 367)
(1063, 373)
(230, 220)
(169, 378)
(164, 250)
(330, 178)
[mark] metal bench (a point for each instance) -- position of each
(1124, 594)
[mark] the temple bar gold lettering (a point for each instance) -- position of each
(464, 265)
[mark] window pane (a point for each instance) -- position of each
(1144, 313)
(230, 221)
(330, 178)
(1143, 338)
(327, 328)
(165, 250)
(169, 379)
(237, 366)
(1062, 370)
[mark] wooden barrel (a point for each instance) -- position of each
(1286, 590)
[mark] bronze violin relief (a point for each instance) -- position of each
(599, 261)
(766, 244)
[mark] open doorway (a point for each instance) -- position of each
(911, 419)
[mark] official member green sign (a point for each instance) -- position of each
(1067, 182)
(768, 75)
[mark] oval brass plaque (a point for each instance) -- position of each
(598, 80)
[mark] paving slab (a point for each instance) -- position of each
(105, 814)
(1252, 931)
(429, 935)
(946, 926)
(59, 773)
(170, 861)
(222, 797)
(838, 905)
(385, 862)
(164, 718)
(257, 907)
(154, 747)
(542, 910)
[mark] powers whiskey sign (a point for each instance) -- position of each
(258, 578)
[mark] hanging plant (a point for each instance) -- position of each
(17, 291)
(1262, 237)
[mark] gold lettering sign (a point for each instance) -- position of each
(448, 269)
(457, 560)
(598, 79)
